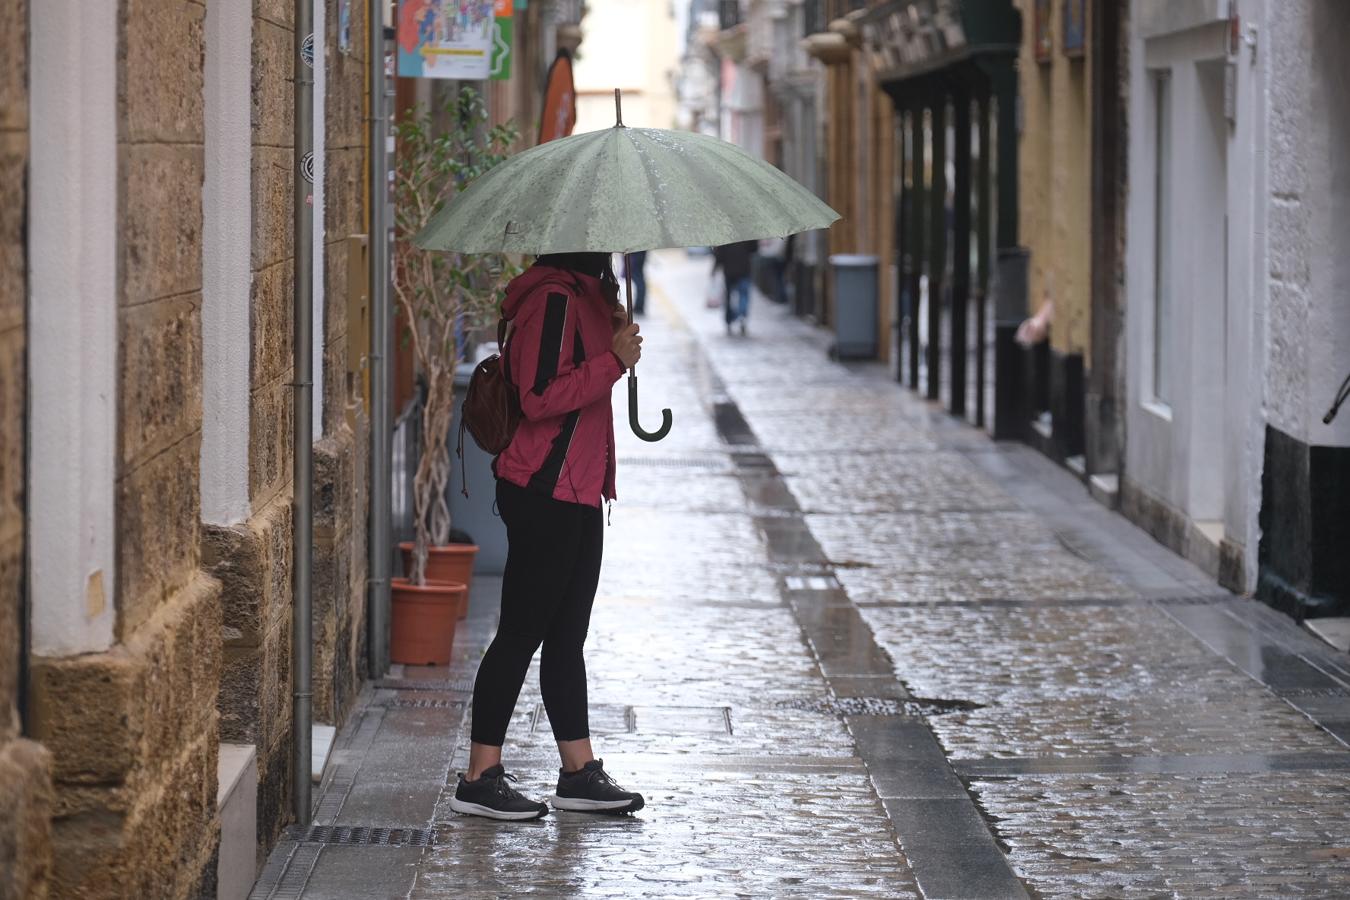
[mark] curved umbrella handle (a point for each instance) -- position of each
(653, 436)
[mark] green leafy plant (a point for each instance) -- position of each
(444, 296)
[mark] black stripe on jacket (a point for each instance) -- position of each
(545, 480)
(550, 342)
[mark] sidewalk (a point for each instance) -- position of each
(849, 647)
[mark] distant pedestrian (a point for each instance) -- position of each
(773, 255)
(570, 343)
(735, 262)
(638, 272)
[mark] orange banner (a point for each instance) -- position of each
(560, 101)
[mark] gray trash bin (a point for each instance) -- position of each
(474, 513)
(855, 305)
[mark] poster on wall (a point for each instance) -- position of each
(1075, 27)
(445, 38)
(1045, 43)
(503, 35)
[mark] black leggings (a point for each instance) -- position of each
(552, 569)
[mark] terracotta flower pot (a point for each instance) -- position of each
(422, 622)
(448, 564)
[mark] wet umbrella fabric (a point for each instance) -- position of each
(624, 189)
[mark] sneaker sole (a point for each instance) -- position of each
(474, 809)
(577, 804)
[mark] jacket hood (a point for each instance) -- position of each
(536, 277)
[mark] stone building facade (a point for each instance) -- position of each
(25, 779)
(146, 262)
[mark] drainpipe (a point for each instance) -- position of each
(377, 642)
(302, 481)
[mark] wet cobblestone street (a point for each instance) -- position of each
(848, 647)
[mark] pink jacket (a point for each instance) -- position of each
(559, 359)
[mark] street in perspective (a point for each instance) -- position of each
(674, 448)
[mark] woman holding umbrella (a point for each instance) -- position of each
(572, 201)
(571, 342)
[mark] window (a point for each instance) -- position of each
(1162, 239)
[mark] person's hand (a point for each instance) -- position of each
(627, 345)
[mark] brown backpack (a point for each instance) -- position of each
(491, 410)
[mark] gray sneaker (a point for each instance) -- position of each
(590, 789)
(491, 796)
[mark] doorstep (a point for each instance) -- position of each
(1335, 630)
(237, 801)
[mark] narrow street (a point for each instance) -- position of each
(849, 647)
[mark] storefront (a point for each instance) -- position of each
(949, 68)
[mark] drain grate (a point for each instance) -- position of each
(335, 794)
(462, 686)
(362, 835)
(287, 878)
(424, 703)
(707, 463)
(879, 706)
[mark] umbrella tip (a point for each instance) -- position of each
(618, 109)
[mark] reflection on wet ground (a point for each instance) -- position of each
(848, 647)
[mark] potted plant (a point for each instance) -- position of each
(444, 297)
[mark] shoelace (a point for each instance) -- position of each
(505, 789)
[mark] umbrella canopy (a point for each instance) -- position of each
(621, 190)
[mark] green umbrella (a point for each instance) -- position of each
(620, 190)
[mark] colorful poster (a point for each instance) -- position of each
(502, 40)
(1075, 27)
(1045, 44)
(503, 37)
(445, 38)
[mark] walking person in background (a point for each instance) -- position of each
(570, 342)
(638, 263)
(734, 261)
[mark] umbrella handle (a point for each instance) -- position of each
(652, 436)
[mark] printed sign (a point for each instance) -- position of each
(445, 38)
(503, 37)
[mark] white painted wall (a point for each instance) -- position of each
(1310, 200)
(320, 155)
(72, 315)
(1202, 452)
(227, 277)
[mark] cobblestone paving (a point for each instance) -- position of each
(977, 599)
(1272, 835)
(689, 635)
(958, 584)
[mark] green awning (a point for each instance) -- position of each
(910, 38)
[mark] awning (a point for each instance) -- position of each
(909, 38)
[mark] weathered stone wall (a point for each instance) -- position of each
(133, 731)
(340, 490)
(254, 560)
(25, 780)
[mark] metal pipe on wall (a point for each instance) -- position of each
(302, 523)
(381, 353)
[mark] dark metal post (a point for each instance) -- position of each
(918, 224)
(959, 342)
(381, 354)
(985, 236)
(937, 265)
(302, 524)
(904, 196)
